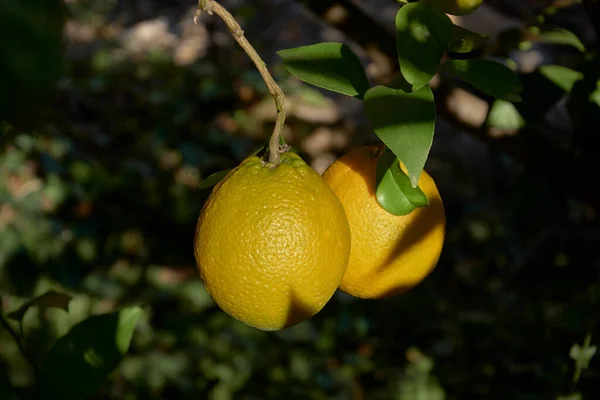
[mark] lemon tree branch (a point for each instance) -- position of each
(211, 6)
(4, 324)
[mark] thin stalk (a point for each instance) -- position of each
(4, 323)
(211, 6)
(14, 335)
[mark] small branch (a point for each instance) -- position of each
(4, 323)
(577, 374)
(15, 337)
(211, 6)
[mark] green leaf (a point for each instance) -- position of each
(394, 190)
(595, 95)
(562, 37)
(50, 299)
(405, 122)
(582, 355)
(504, 115)
(329, 65)
(213, 179)
(562, 77)
(490, 77)
(423, 36)
(80, 362)
(465, 41)
(571, 396)
(217, 177)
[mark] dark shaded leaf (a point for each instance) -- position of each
(539, 95)
(394, 190)
(262, 149)
(329, 65)
(213, 179)
(79, 363)
(405, 123)
(51, 299)
(571, 396)
(490, 77)
(465, 41)
(423, 36)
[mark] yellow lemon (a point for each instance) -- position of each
(456, 7)
(272, 243)
(389, 254)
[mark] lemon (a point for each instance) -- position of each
(272, 243)
(456, 7)
(389, 254)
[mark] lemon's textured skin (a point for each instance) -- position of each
(389, 254)
(272, 243)
(456, 7)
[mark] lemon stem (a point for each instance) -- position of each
(211, 6)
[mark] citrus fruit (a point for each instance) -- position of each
(272, 242)
(389, 254)
(456, 7)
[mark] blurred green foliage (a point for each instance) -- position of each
(32, 45)
(99, 200)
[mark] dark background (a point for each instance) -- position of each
(105, 140)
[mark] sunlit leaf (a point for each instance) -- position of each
(489, 76)
(423, 36)
(561, 36)
(582, 355)
(417, 381)
(465, 41)
(329, 65)
(394, 190)
(79, 363)
(213, 179)
(405, 122)
(504, 115)
(50, 299)
(595, 95)
(561, 76)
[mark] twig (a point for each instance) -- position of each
(16, 338)
(211, 6)
(577, 374)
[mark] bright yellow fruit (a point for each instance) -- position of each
(390, 254)
(272, 243)
(456, 7)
